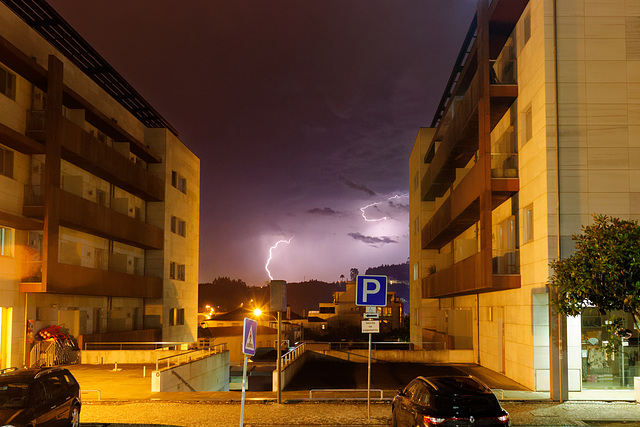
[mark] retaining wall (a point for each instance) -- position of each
(290, 371)
(98, 357)
(211, 373)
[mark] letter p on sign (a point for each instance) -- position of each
(371, 290)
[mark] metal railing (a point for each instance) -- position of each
(362, 345)
(342, 391)
(189, 356)
(132, 345)
(290, 356)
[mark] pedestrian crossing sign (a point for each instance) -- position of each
(249, 336)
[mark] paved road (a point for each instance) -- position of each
(208, 414)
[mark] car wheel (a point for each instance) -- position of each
(74, 417)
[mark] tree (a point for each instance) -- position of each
(353, 274)
(603, 272)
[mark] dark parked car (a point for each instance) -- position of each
(447, 401)
(39, 397)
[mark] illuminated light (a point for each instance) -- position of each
(384, 218)
(266, 267)
(257, 312)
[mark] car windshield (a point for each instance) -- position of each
(13, 394)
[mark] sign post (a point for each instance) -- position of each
(249, 332)
(371, 292)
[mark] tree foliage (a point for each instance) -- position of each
(603, 272)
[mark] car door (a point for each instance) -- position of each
(61, 398)
(40, 406)
(403, 409)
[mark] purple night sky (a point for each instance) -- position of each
(301, 111)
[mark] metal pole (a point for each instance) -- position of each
(369, 381)
(278, 363)
(244, 382)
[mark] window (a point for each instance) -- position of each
(527, 131)
(179, 182)
(6, 162)
(526, 28)
(176, 271)
(527, 224)
(7, 83)
(178, 226)
(6, 241)
(176, 316)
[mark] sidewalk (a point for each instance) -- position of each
(103, 387)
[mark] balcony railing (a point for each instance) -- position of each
(503, 72)
(504, 165)
(506, 261)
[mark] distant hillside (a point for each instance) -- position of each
(398, 272)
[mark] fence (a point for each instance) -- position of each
(178, 359)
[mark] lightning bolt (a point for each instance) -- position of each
(364, 208)
(384, 218)
(266, 266)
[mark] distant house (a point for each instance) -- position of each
(343, 311)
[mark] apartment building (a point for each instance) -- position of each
(538, 129)
(99, 199)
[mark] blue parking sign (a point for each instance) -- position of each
(371, 290)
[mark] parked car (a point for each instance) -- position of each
(39, 397)
(447, 401)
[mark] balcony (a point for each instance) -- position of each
(460, 141)
(77, 280)
(81, 214)
(465, 277)
(462, 208)
(86, 151)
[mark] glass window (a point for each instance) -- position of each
(179, 181)
(172, 270)
(6, 241)
(526, 28)
(6, 162)
(7, 83)
(527, 224)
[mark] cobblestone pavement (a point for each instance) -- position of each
(221, 414)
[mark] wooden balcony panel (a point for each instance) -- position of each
(82, 149)
(502, 189)
(79, 213)
(464, 278)
(19, 142)
(459, 212)
(76, 280)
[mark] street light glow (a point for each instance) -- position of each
(257, 312)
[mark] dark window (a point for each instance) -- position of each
(526, 28)
(179, 182)
(6, 162)
(172, 270)
(180, 317)
(178, 226)
(7, 83)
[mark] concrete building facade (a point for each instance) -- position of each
(538, 130)
(99, 199)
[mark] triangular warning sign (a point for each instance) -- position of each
(250, 345)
